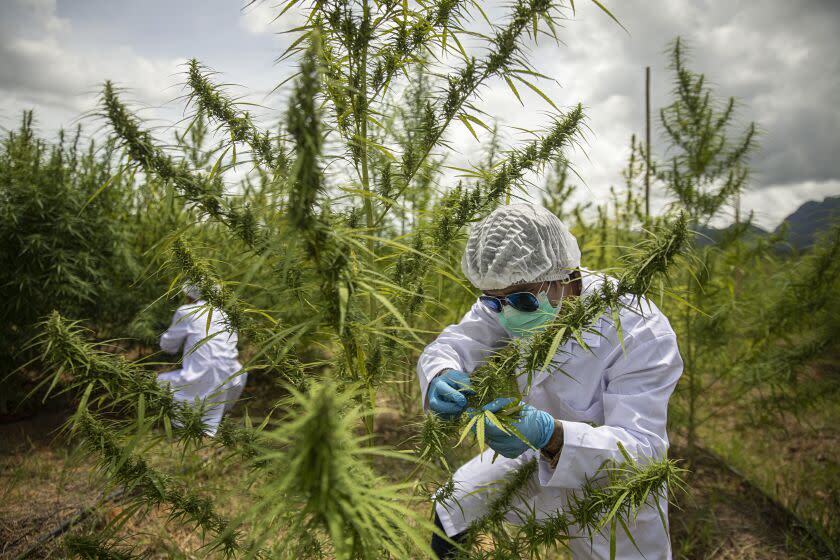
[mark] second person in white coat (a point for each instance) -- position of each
(210, 373)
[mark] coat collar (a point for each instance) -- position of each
(590, 281)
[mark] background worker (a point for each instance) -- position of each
(210, 372)
(526, 263)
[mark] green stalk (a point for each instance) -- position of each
(362, 137)
(361, 119)
(691, 374)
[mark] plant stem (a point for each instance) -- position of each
(647, 146)
(690, 372)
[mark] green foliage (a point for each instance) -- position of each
(203, 189)
(60, 243)
(709, 167)
(150, 487)
(92, 547)
(707, 170)
(335, 260)
(108, 383)
(210, 100)
(52, 240)
(609, 500)
(322, 469)
(797, 326)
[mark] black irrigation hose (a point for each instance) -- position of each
(82, 513)
(79, 516)
(799, 521)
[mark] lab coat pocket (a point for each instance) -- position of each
(592, 414)
(570, 352)
(555, 367)
(591, 338)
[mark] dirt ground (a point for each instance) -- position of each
(43, 483)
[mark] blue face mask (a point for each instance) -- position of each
(526, 323)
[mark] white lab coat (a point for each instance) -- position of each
(209, 370)
(623, 392)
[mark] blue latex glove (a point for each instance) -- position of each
(535, 425)
(448, 393)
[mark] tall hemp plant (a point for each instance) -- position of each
(355, 239)
(58, 248)
(706, 169)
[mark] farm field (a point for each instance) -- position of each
(376, 313)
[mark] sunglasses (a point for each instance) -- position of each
(521, 301)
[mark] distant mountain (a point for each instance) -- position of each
(809, 219)
(802, 226)
(708, 235)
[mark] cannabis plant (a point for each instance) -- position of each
(331, 264)
(707, 169)
(58, 248)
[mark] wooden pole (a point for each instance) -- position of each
(647, 143)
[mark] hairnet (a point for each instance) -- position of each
(191, 291)
(519, 244)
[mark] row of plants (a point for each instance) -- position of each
(336, 259)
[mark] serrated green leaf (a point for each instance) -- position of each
(468, 429)
(580, 340)
(629, 534)
(469, 126)
(538, 91)
(617, 321)
(392, 308)
(209, 321)
(513, 89)
(216, 165)
(102, 188)
(495, 421)
(609, 13)
(480, 123)
(555, 344)
(167, 426)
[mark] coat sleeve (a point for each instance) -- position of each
(173, 339)
(463, 346)
(638, 386)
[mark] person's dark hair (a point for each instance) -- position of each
(575, 278)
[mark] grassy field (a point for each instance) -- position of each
(797, 461)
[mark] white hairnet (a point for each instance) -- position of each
(519, 244)
(191, 291)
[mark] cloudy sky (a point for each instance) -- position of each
(779, 58)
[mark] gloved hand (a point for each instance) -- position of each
(448, 393)
(533, 424)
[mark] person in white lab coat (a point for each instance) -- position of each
(210, 372)
(525, 261)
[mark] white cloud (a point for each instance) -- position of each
(778, 58)
(774, 203)
(42, 66)
(33, 17)
(263, 16)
